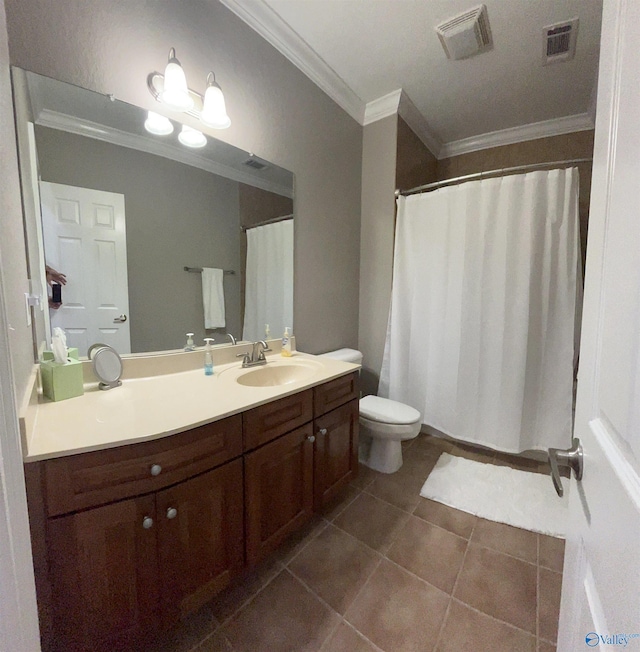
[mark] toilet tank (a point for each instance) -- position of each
(347, 355)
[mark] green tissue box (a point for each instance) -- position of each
(61, 381)
(72, 352)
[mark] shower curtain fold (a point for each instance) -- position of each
(481, 328)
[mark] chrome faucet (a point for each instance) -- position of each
(256, 357)
(232, 338)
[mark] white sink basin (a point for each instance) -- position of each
(274, 374)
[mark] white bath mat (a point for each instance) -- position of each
(499, 493)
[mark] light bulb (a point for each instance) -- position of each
(175, 93)
(192, 137)
(214, 111)
(157, 124)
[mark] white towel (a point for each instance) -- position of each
(213, 298)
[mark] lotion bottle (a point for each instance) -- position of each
(208, 359)
(286, 344)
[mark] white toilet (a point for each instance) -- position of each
(384, 424)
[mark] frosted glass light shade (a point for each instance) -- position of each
(175, 93)
(157, 124)
(192, 137)
(214, 111)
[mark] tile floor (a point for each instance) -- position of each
(384, 569)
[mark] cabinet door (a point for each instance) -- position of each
(200, 534)
(279, 491)
(336, 454)
(103, 569)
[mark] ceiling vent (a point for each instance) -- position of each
(559, 42)
(467, 34)
(255, 164)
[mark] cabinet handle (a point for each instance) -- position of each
(311, 438)
(147, 522)
(322, 431)
(156, 469)
(172, 512)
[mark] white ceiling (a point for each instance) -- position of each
(359, 51)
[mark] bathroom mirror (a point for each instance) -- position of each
(132, 218)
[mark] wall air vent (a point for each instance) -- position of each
(467, 34)
(559, 42)
(255, 164)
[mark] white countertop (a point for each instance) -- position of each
(151, 407)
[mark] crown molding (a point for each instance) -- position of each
(533, 131)
(382, 107)
(268, 24)
(87, 128)
(410, 114)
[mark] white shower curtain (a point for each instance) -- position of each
(483, 309)
(269, 280)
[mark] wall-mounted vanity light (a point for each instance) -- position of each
(192, 137)
(157, 124)
(171, 90)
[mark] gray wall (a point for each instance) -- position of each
(176, 215)
(376, 249)
(276, 112)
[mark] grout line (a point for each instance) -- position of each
(455, 584)
(347, 504)
(538, 592)
(320, 530)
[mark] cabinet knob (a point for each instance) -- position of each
(322, 431)
(147, 522)
(156, 469)
(311, 438)
(172, 512)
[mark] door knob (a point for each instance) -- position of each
(572, 458)
(120, 320)
(147, 522)
(172, 512)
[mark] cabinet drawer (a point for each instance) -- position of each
(89, 479)
(335, 393)
(269, 421)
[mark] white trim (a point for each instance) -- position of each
(81, 127)
(382, 107)
(266, 22)
(412, 116)
(533, 131)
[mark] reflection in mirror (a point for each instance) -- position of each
(156, 240)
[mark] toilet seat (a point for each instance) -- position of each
(384, 410)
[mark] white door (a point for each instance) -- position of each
(601, 588)
(85, 239)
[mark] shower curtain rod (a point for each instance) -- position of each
(488, 173)
(273, 220)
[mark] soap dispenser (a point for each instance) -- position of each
(208, 358)
(189, 346)
(286, 344)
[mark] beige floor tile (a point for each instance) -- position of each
(346, 639)
(373, 521)
(397, 611)
(298, 540)
(500, 586)
(505, 538)
(335, 566)
(549, 604)
(551, 552)
(467, 630)
(283, 617)
(402, 488)
(451, 519)
(430, 552)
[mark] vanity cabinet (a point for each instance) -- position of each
(292, 475)
(128, 540)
